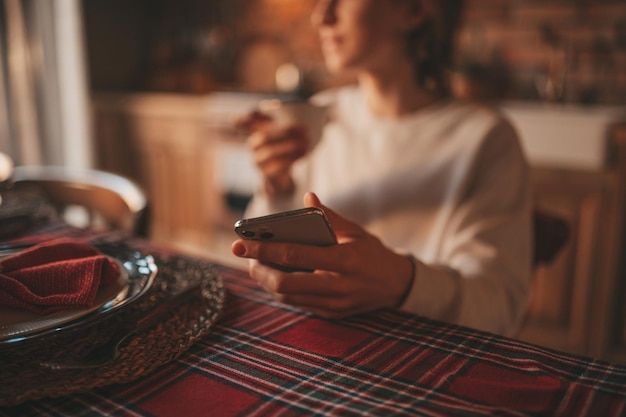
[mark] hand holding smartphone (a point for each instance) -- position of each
(304, 226)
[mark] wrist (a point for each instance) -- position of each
(279, 186)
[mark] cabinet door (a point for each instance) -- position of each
(164, 146)
(114, 148)
(559, 310)
(177, 167)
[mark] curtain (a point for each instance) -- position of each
(44, 115)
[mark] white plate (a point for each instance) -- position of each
(19, 322)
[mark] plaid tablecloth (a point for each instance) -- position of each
(264, 358)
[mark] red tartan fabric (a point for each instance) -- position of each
(55, 275)
(266, 359)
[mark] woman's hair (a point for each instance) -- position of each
(431, 45)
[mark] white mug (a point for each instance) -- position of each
(285, 113)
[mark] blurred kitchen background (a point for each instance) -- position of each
(150, 89)
(570, 51)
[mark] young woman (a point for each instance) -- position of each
(429, 197)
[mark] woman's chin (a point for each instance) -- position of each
(335, 62)
(333, 66)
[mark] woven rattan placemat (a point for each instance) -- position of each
(22, 378)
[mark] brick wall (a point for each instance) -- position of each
(570, 50)
(580, 44)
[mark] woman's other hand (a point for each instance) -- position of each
(275, 149)
(357, 275)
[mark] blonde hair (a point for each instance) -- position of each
(431, 44)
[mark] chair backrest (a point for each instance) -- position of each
(551, 233)
(105, 199)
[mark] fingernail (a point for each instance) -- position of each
(238, 249)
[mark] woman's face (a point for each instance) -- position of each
(363, 35)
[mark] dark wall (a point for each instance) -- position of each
(199, 45)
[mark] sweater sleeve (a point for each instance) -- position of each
(482, 277)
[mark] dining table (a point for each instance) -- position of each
(233, 350)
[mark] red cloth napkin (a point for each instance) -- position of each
(55, 275)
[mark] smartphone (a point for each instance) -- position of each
(308, 226)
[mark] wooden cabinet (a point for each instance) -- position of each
(163, 142)
(173, 145)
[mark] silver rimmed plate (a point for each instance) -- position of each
(136, 277)
(19, 322)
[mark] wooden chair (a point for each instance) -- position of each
(86, 197)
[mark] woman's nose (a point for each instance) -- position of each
(324, 13)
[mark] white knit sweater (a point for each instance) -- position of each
(448, 184)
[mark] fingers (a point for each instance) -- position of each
(292, 283)
(312, 200)
(341, 258)
(276, 150)
(336, 258)
(252, 121)
(323, 294)
(344, 228)
(267, 138)
(275, 156)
